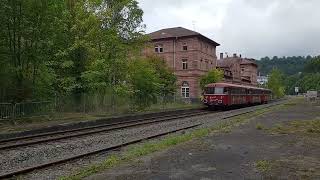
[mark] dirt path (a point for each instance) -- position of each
(283, 144)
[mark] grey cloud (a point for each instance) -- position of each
(255, 28)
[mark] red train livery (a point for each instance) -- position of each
(225, 95)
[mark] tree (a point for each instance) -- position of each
(313, 66)
(145, 83)
(275, 83)
(24, 44)
(308, 79)
(212, 76)
(288, 65)
(166, 75)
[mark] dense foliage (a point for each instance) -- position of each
(308, 79)
(276, 83)
(287, 65)
(54, 48)
(212, 76)
(297, 71)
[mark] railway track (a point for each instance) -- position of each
(60, 161)
(108, 127)
(59, 135)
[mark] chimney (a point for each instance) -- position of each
(221, 55)
(235, 55)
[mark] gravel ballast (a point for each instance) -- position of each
(13, 159)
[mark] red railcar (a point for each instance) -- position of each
(226, 94)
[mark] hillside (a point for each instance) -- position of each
(287, 65)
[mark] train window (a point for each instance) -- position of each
(212, 90)
(209, 90)
(218, 90)
(226, 90)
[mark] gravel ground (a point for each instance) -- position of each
(235, 155)
(13, 159)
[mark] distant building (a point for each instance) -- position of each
(238, 70)
(188, 53)
(262, 80)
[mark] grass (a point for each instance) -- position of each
(302, 127)
(259, 126)
(263, 166)
(135, 151)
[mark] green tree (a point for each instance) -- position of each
(313, 66)
(166, 75)
(212, 76)
(24, 44)
(145, 83)
(275, 83)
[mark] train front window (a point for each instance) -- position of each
(218, 90)
(214, 90)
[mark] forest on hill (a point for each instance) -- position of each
(291, 72)
(287, 65)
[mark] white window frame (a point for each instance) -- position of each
(185, 90)
(184, 64)
(158, 48)
(184, 45)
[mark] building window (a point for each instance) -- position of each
(185, 90)
(185, 47)
(201, 64)
(158, 48)
(184, 64)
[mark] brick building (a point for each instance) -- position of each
(238, 70)
(188, 53)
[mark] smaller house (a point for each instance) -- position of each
(238, 70)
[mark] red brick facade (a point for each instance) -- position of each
(238, 70)
(188, 53)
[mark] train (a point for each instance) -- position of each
(225, 95)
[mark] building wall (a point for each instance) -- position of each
(249, 70)
(242, 72)
(200, 56)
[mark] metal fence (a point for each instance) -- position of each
(18, 110)
(102, 105)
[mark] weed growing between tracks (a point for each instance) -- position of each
(136, 151)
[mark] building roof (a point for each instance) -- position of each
(178, 32)
(229, 61)
(249, 61)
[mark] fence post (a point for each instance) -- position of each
(14, 112)
(84, 103)
(55, 102)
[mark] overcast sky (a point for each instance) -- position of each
(254, 28)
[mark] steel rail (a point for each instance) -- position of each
(100, 129)
(60, 161)
(115, 147)
(92, 127)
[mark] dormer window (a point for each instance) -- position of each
(185, 47)
(158, 48)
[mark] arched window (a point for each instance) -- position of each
(185, 90)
